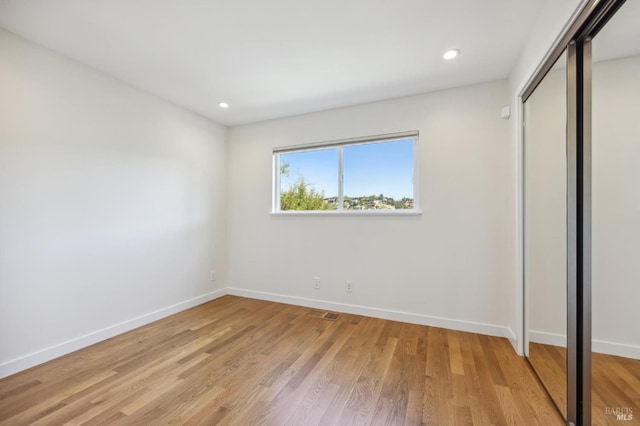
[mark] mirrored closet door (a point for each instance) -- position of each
(615, 182)
(545, 231)
(581, 217)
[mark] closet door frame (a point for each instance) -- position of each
(579, 232)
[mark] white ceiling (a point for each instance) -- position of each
(275, 58)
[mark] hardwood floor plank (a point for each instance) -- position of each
(490, 359)
(349, 365)
(438, 378)
(315, 404)
(455, 356)
(480, 398)
(360, 406)
(241, 361)
(17, 387)
(518, 376)
(393, 403)
(37, 412)
(320, 391)
(292, 392)
(415, 401)
(507, 403)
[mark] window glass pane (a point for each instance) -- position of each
(309, 180)
(379, 176)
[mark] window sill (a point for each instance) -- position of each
(370, 213)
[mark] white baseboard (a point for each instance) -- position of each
(27, 361)
(619, 349)
(30, 360)
(513, 339)
(545, 338)
(460, 325)
(598, 346)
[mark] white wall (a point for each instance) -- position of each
(615, 208)
(450, 266)
(545, 224)
(112, 206)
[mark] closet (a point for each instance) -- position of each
(581, 224)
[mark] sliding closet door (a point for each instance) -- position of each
(545, 231)
(601, 343)
(615, 311)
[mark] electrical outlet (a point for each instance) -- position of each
(349, 287)
(213, 275)
(316, 283)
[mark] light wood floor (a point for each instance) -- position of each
(615, 382)
(240, 361)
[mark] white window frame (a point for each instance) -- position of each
(340, 144)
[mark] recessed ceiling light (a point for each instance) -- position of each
(450, 54)
(223, 105)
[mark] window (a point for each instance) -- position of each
(373, 174)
